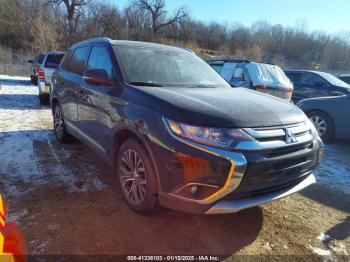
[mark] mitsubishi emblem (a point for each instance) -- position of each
(290, 138)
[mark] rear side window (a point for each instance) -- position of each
(294, 77)
(99, 59)
(345, 79)
(78, 61)
(53, 60)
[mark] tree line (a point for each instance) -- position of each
(31, 26)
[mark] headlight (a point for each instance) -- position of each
(216, 137)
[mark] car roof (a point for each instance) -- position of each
(228, 60)
(54, 53)
(303, 71)
(108, 41)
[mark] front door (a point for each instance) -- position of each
(95, 102)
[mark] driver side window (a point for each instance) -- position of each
(99, 59)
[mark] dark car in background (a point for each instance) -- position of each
(309, 84)
(176, 132)
(345, 78)
(265, 78)
(330, 115)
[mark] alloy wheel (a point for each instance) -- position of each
(58, 121)
(320, 124)
(133, 176)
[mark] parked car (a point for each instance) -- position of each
(330, 115)
(308, 84)
(266, 78)
(49, 64)
(34, 69)
(176, 132)
(345, 78)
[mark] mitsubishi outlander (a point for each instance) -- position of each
(177, 134)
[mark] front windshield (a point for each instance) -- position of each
(333, 80)
(160, 67)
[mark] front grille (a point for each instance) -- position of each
(277, 164)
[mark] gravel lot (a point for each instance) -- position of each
(67, 201)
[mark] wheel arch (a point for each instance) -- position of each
(124, 134)
(308, 112)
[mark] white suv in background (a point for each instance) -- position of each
(262, 77)
(49, 63)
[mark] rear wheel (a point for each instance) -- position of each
(137, 177)
(323, 123)
(59, 125)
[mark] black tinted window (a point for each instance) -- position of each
(99, 59)
(312, 79)
(294, 77)
(78, 61)
(53, 60)
(345, 79)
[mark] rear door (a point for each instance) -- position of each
(67, 81)
(95, 102)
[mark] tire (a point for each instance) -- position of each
(32, 79)
(323, 123)
(44, 99)
(140, 177)
(59, 125)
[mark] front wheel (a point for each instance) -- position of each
(137, 177)
(323, 123)
(59, 125)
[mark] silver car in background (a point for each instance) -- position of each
(50, 62)
(265, 78)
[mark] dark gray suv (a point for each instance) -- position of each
(177, 133)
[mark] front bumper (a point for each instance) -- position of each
(243, 178)
(44, 88)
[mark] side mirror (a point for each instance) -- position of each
(30, 61)
(97, 77)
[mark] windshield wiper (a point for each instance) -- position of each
(145, 84)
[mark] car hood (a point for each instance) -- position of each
(224, 107)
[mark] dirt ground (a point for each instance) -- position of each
(67, 201)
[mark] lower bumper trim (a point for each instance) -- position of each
(232, 206)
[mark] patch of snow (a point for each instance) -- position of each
(6, 77)
(324, 237)
(30, 155)
(334, 171)
(319, 251)
(339, 248)
(267, 246)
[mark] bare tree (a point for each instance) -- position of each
(158, 15)
(74, 12)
